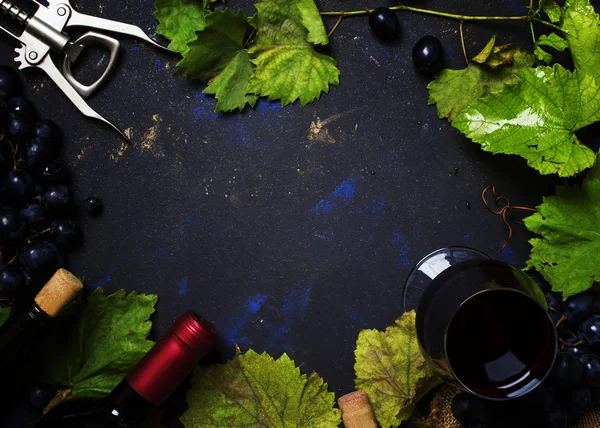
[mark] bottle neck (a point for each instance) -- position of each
(172, 358)
(20, 332)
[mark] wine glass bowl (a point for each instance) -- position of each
(482, 324)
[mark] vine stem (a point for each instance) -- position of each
(462, 42)
(531, 22)
(430, 12)
(458, 17)
(335, 27)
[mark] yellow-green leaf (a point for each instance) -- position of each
(536, 119)
(392, 371)
(454, 90)
(312, 21)
(583, 26)
(482, 56)
(287, 66)
(255, 390)
(178, 20)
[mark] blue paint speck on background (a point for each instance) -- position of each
(399, 241)
(263, 106)
(296, 302)
(102, 282)
(345, 192)
(468, 236)
(134, 48)
(230, 332)
(204, 113)
(375, 210)
(158, 64)
(183, 288)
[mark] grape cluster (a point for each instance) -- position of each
(36, 202)
(572, 386)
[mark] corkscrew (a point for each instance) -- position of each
(45, 31)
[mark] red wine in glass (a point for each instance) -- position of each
(482, 325)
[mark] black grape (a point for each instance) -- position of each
(53, 173)
(23, 105)
(40, 394)
(567, 370)
(384, 24)
(37, 152)
(17, 187)
(40, 259)
(468, 409)
(579, 308)
(10, 82)
(556, 418)
(580, 398)
(12, 228)
(428, 55)
(56, 200)
(553, 300)
(49, 130)
(20, 127)
(591, 370)
(578, 350)
(589, 330)
(34, 218)
(10, 280)
(65, 234)
(93, 206)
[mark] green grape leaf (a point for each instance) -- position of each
(542, 55)
(552, 9)
(287, 66)
(536, 119)
(105, 342)
(4, 314)
(454, 90)
(255, 390)
(569, 229)
(551, 40)
(583, 26)
(231, 85)
(392, 371)
(218, 53)
(312, 21)
(215, 46)
(178, 20)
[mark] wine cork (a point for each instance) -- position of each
(356, 410)
(58, 291)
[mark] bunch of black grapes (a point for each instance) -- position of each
(36, 202)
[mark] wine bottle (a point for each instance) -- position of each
(147, 385)
(24, 329)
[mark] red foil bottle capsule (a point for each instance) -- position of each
(173, 357)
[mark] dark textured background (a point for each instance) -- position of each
(289, 240)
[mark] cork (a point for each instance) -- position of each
(356, 410)
(58, 291)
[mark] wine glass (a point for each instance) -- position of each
(482, 324)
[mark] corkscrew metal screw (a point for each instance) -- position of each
(45, 31)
